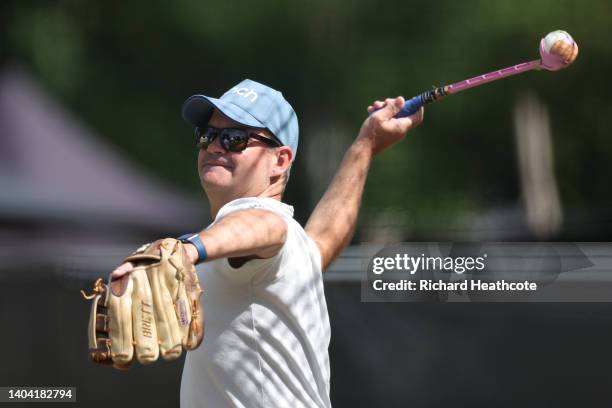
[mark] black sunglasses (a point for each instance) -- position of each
(232, 139)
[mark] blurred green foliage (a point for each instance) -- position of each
(125, 67)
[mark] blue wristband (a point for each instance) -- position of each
(196, 241)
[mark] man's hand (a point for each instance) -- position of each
(380, 130)
(190, 252)
(122, 269)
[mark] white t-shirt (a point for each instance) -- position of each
(267, 329)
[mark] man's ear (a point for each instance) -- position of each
(284, 156)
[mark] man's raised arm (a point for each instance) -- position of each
(333, 220)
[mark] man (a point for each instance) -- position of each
(267, 327)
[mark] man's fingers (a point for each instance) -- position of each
(417, 117)
(398, 103)
(389, 108)
(122, 269)
(409, 122)
(376, 105)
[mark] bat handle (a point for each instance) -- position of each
(411, 106)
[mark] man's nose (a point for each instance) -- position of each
(215, 147)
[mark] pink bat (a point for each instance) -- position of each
(557, 50)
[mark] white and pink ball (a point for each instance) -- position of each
(558, 50)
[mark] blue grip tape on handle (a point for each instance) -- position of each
(411, 106)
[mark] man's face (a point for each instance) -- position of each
(239, 174)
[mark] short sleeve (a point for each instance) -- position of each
(257, 269)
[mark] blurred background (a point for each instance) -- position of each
(95, 159)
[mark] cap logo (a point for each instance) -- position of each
(244, 92)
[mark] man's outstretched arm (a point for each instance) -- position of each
(333, 220)
(245, 233)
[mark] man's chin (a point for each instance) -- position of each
(215, 175)
(206, 183)
(214, 183)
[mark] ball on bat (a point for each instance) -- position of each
(558, 50)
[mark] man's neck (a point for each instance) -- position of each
(216, 201)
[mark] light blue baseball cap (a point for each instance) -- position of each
(250, 104)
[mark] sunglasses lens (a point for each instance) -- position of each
(234, 140)
(205, 136)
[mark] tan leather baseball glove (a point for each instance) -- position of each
(155, 309)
